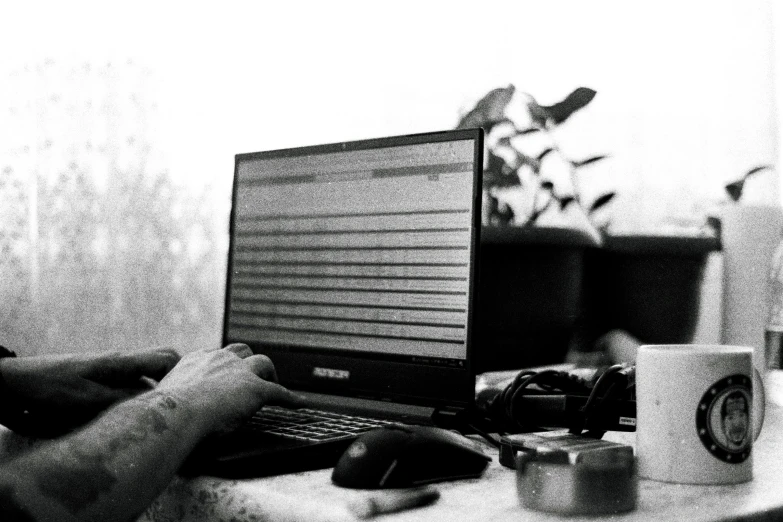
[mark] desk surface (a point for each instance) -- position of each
(310, 496)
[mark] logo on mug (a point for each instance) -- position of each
(723, 419)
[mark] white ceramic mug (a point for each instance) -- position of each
(695, 413)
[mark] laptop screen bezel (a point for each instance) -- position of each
(435, 385)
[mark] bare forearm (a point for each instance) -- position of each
(110, 470)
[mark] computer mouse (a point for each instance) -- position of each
(401, 456)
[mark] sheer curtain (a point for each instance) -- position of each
(101, 249)
(119, 124)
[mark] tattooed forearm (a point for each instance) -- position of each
(10, 508)
(77, 482)
(87, 465)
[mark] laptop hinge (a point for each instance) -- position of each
(407, 413)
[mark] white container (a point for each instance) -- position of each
(694, 407)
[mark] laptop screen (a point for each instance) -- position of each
(359, 252)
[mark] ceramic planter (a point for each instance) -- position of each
(648, 286)
(530, 295)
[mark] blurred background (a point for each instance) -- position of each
(118, 128)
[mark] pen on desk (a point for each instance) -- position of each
(391, 501)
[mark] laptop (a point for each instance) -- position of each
(353, 267)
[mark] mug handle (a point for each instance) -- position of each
(759, 403)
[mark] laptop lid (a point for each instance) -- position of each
(352, 265)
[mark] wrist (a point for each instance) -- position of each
(200, 417)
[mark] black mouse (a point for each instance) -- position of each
(402, 456)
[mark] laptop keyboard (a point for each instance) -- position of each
(308, 424)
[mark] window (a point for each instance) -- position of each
(116, 160)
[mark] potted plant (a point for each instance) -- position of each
(537, 228)
(650, 285)
(526, 183)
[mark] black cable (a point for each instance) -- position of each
(489, 438)
(590, 406)
(504, 413)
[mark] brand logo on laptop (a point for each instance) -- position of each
(331, 373)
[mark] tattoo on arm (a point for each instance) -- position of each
(10, 508)
(84, 471)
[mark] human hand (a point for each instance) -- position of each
(60, 392)
(226, 386)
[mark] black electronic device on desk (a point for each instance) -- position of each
(587, 402)
(352, 266)
(399, 456)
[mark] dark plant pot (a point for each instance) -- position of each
(648, 286)
(530, 295)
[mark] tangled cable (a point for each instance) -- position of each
(505, 413)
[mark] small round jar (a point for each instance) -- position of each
(599, 483)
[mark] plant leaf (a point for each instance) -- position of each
(538, 114)
(524, 159)
(545, 153)
(489, 110)
(499, 173)
(497, 164)
(538, 212)
(493, 179)
(734, 189)
(561, 111)
(755, 170)
(499, 215)
(588, 161)
(601, 201)
(565, 201)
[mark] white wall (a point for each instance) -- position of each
(686, 92)
(686, 99)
